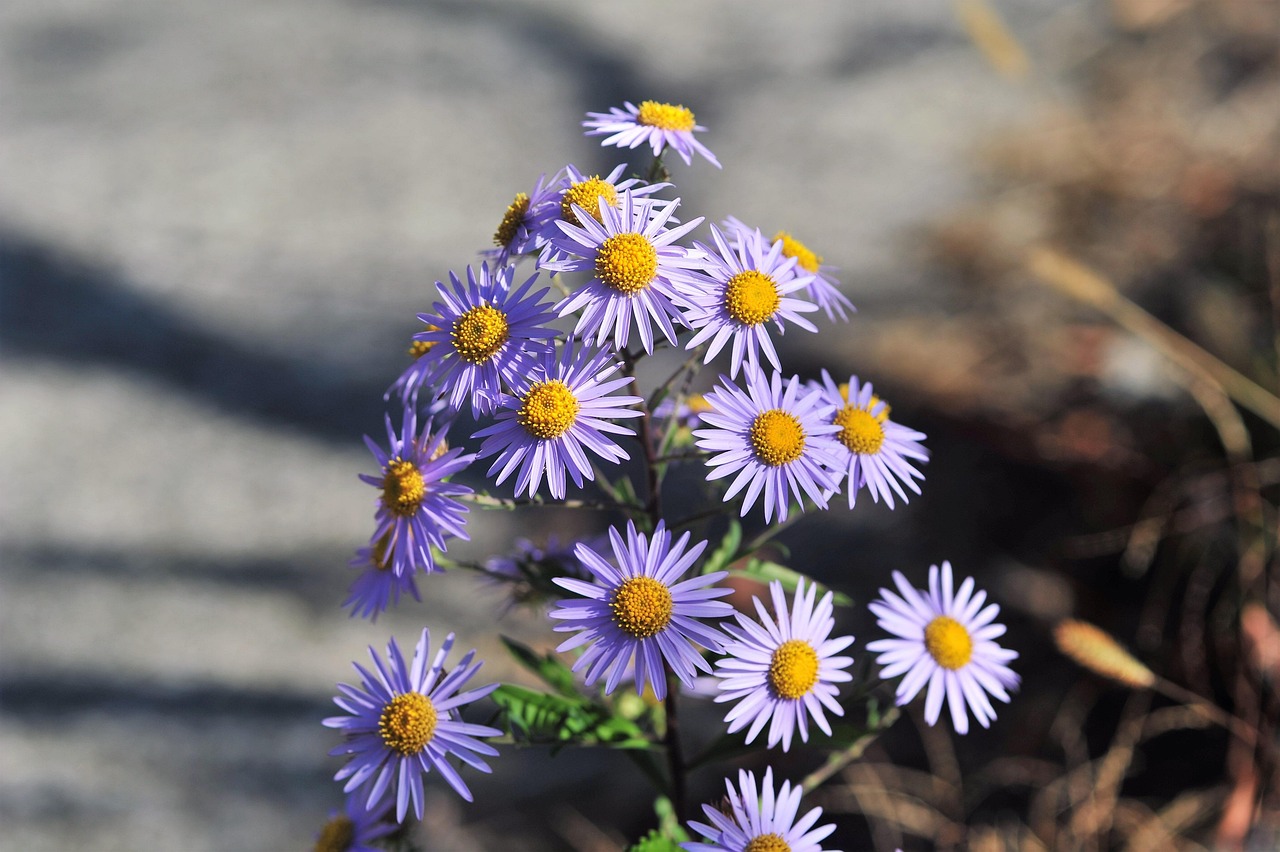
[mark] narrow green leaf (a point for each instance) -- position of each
(548, 667)
(726, 551)
(766, 571)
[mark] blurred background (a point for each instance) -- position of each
(218, 221)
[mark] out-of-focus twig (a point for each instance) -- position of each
(993, 38)
(1085, 285)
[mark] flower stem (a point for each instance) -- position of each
(675, 754)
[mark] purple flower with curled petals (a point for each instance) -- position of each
(403, 722)
(641, 609)
(658, 125)
(763, 821)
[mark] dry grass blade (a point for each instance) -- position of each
(1164, 830)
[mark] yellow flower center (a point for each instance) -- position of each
(510, 224)
(627, 262)
(777, 437)
(791, 247)
(698, 403)
(587, 195)
(767, 843)
(402, 488)
(860, 431)
(418, 348)
(337, 835)
(665, 116)
(407, 723)
(793, 669)
(641, 607)
(751, 297)
(479, 333)
(548, 410)
(948, 642)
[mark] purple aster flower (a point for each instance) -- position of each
(759, 821)
(658, 125)
(742, 291)
(641, 609)
(410, 382)
(588, 192)
(945, 640)
(416, 510)
(404, 722)
(784, 671)
(525, 217)
(377, 587)
(688, 412)
(632, 261)
(824, 289)
(874, 449)
(355, 828)
(778, 440)
(484, 335)
(555, 411)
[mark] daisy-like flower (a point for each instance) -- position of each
(557, 409)
(587, 192)
(945, 641)
(824, 289)
(524, 218)
(741, 291)
(874, 449)
(417, 374)
(377, 587)
(658, 125)
(630, 255)
(642, 609)
(784, 671)
(759, 821)
(404, 722)
(776, 438)
(354, 829)
(417, 509)
(482, 334)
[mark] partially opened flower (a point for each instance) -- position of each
(377, 587)
(417, 509)
(874, 449)
(641, 609)
(632, 258)
(742, 291)
(777, 440)
(483, 334)
(355, 829)
(404, 722)
(945, 642)
(524, 219)
(560, 408)
(761, 820)
(783, 672)
(658, 125)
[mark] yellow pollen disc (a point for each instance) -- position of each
(479, 333)
(408, 723)
(860, 430)
(777, 437)
(337, 835)
(641, 607)
(627, 262)
(516, 211)
(698, 403)
(948, 642)
(665, 116)
(548, 410)
(587, 195)
(767, 843)
(418, 348)
(791, 247)
(793, 669)
(402, 488)
(751, 297)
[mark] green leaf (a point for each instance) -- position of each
(547, 666)
(539, 718)
(726, 551)
(655, 841)
(766, 571)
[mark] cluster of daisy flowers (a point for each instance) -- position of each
(540, 365)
